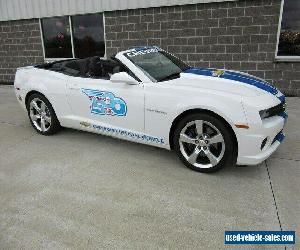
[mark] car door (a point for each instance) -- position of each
(110, 104)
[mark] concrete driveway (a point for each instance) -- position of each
(77, 190)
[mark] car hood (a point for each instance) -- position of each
(227, 81)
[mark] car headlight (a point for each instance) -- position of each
(276, 110)
(264, 113)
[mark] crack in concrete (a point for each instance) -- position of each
(275, 203)
(273, 194)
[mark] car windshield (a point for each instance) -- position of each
(157, 64)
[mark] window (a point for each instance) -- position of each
(289, 34)
(157, 64)
(57, 37)
(88, 35)
(78, 36)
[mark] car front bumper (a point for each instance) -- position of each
(258, 142)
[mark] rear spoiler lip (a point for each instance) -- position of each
(26, 67)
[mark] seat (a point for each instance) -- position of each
(117, 69)
(83, 65)
(79, 65)
(102, 68)
(109, 68)
(95, 68)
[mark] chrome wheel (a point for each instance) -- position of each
(201, 144)
(40, 115)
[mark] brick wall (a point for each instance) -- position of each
(238, 35)
(20, 45)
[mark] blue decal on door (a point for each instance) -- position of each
(105, 103)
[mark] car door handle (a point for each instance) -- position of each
(73, 86)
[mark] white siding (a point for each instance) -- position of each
(25, 9)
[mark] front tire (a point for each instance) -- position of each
(41, 115)
(204, 143)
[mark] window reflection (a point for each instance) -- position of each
(57, 38)
(88, 35)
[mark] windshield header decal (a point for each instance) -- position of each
(142, 52)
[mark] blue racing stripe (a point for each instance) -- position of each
(284, 115)
(282, 98)
(229, 75)
(202, 72)
(249, 80)
(280, 137)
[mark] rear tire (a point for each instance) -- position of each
(204, 143)
(41, 115)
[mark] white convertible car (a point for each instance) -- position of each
(211, 118)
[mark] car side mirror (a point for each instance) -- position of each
(123, 77)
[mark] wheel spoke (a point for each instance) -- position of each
(193, 157)
(43, 126)
(186, 138)
(43, 107)
(213, 160)
(35, 117)
(199, 126)
(35, 106)
(215, 139)
(47, 119)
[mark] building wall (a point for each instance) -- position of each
(20, 45)
(20, 9)
(238, 35)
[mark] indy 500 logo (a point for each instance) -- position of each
(105, 103)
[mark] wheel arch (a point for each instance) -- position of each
(197, 111)
(55, 123)
(30, 93)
